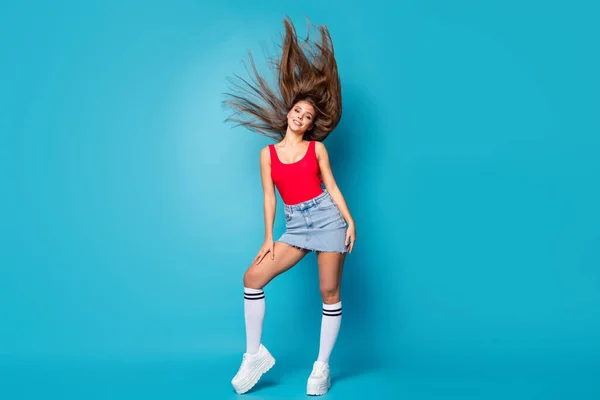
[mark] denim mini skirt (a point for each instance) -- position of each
(315, 225)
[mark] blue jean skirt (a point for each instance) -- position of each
(315, 225)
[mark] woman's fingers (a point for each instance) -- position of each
(350, 242)
(262, 253)
(262, 256)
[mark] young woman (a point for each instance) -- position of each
(299, 117)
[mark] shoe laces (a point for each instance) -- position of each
(319, 369)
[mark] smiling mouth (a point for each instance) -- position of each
(297, 123)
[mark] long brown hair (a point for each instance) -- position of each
(305, 71)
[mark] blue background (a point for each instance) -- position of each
(468, 153)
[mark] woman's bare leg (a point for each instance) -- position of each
(257, 276)
(330, 276)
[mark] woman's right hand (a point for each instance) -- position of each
(267, 247)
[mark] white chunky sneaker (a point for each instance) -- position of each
(252, 368)
(319, 381)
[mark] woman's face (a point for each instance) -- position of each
(301, 117)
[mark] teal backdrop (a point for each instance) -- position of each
(468, 152)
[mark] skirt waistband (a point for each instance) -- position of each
(308, 203)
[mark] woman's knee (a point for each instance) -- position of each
(330, 294)
(253, 279)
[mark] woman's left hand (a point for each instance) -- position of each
(350, 237)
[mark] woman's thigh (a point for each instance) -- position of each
(330, 271)
(259, 275)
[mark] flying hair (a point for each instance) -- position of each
(306, 70)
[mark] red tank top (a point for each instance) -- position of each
(299, 181)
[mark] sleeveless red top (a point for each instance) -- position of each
(299, 181)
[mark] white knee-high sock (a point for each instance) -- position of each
(330, 326)
(254, 314)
